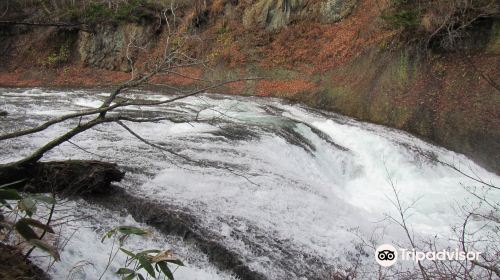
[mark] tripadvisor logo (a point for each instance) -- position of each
(386, 255)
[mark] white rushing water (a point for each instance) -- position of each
(84, 255)
(307, 178)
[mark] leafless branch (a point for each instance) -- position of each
(402, 222)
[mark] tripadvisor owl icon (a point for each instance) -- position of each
(386, 255)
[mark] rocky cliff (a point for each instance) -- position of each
(332, 54)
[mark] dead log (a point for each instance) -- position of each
(65, 178)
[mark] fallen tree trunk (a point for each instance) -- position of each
(66, 178)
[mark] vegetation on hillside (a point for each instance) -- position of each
(440, 23)
(86, 11)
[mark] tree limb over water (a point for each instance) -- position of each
(170, 62)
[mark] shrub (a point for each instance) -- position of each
(407, 19)
(21, 208)
(101, 12)
(57, 58)
(444, 21)
(96, 12)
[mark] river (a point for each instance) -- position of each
(287, 189)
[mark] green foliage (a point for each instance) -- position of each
(407, 19)
(28, 205)
(25, 230)
(96, 12)
(403, 14)
(148, 262)
(494, 44)
(126, 231)
(440, 24)
(8, 194)
(222, 30)
(102, 12)
(25, 226)
(57, 58)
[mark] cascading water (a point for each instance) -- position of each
(286, 188)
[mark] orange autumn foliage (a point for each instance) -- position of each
(283, 88)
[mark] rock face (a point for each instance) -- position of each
(335, 10)
(109, 46)
(275, 14)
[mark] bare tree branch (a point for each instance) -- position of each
(58, 120)
(401, 210)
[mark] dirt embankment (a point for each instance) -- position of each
(14, 266)
(333, 55)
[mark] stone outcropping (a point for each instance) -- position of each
(110, 46)
(275, 14)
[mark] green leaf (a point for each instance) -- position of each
(43, 198)
(47, 248)
(146, 265)
(27, 205)
(38, 224)
(130, 254)
(164, 268)
(9, 194)
(131, 230)
(12, 184)
(141, 277)
(5, 203)
(25, 230)
(124, 270)
(130, 276)
(177, 262)
(108, 235)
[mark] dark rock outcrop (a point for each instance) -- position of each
(274, 14)
(107, 47)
